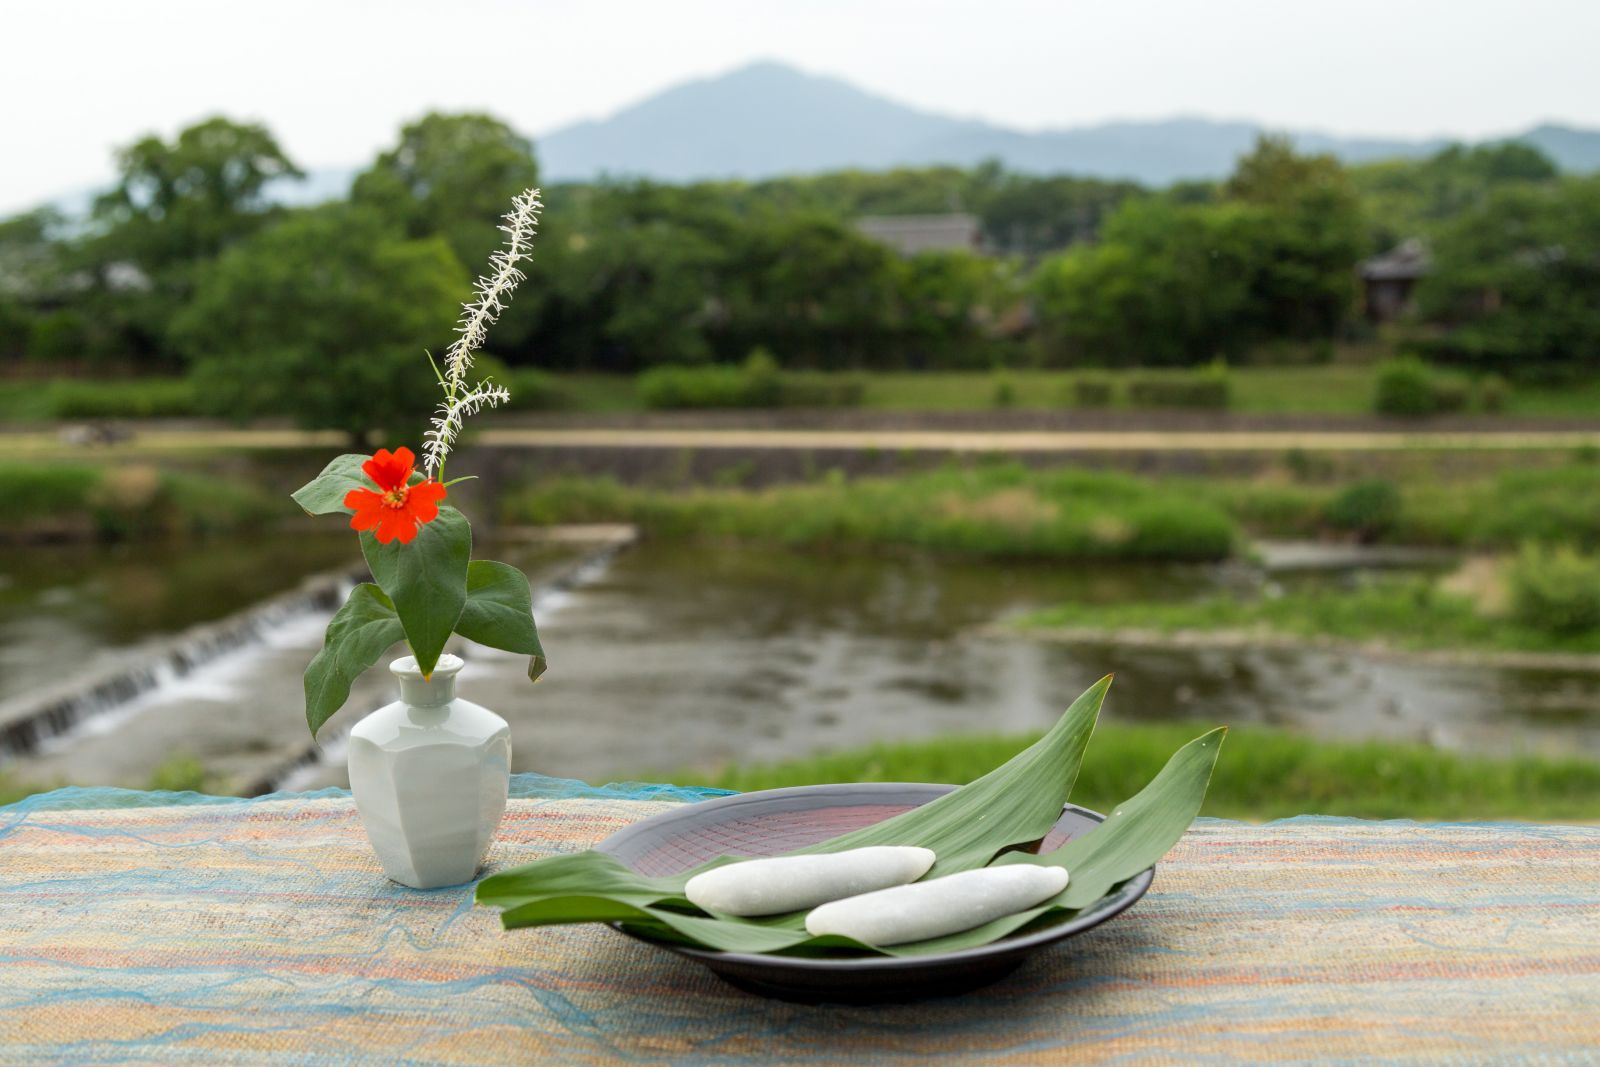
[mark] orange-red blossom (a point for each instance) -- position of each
(397, 508)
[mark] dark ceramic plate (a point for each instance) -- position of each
(775, 821)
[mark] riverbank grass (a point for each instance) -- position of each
(1542, 601)
(987, 511)
(1262, 774)
(113, 501)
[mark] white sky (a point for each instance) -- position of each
(334, 79)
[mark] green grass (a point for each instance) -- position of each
(78, 398)
(127, 500)
(1332, 389)
(1006, 510)
(1549, 504)
(1338, 388)
(1406, 612)
(1262, 774)
(990, 511)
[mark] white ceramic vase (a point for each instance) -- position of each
(430, 775)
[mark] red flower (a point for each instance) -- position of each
(398, 508)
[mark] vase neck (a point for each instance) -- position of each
(433, 691)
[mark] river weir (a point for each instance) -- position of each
(226, 692)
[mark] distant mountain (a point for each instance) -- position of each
(769, 119)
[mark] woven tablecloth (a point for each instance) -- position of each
(221, 932)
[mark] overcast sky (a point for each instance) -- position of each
(334, 80)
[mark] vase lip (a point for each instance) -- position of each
(405, 668)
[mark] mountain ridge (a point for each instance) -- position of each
(767, 119)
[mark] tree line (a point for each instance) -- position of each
(189, 263)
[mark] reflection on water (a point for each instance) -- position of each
(683, 656)
(63, 605)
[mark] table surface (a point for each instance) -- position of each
(182, 930)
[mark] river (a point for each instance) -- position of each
(670, 657)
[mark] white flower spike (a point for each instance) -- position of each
(493, 294)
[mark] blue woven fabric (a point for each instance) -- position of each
(523, 787)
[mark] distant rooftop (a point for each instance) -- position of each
(910, 234)
(1406, 261)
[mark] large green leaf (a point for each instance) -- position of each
(361, 631)
(499, 612)
(969, 827)
(426, 580)
(324, 494)
(1137, 833)
(1013, 804)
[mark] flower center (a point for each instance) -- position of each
(396, 498)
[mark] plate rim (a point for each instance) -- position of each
(1121, 897)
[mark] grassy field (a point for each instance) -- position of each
(990, 511)
(1262, 774)
(1331, 389)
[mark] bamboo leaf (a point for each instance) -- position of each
(1014, 804)
(1133, 838)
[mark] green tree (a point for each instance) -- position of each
(628, 275)
(175, 207)
(32, 274)
(1421, 197)
(1305, 284)
(325, 317)
(1025, 215)
(1168, 285)
(187, 200)
(1517, 277)
(451, 176)
(812, 289)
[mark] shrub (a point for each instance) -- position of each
(670, 387)
(1367, 509)
(757, 383)
(1405, 388)
(1091, 393)
(1207, 389)
(1004, 394)
(1493, 392)
(1555, 590)
(146, 398)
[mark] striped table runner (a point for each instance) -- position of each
(183, 930)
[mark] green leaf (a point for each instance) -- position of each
(499, 612)
(361, 631)
(1137, 833)
(426, 580)
(1014, 804)
(324, 494)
